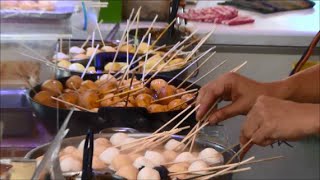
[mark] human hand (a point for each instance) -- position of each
(272, 119)
(241, 91)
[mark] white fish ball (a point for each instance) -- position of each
(185, 157)
(198, 165)
(148, 174)
(174, 145)
(69, 164)
(76, 67)
(128, 172)
(211, 156)
(107, 155)
(118, 138)
(155, 157)
(169, 155)
(142, 161)
(121, 160)
(77, 50)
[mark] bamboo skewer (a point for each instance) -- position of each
(225, 166)
(146, 58)
(137, 27)
(70, 104)
(99, 31)
(204, 62)
(205, 176)
(183, 103)
(91, 58)
(242, 148)
(47, 62)
(186, 68)
(163, 32)
(206, 74)
(86, 42)
(175, 95)
(119, 94)
(239, 67)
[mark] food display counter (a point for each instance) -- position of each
(270, 46)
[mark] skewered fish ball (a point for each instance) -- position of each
(44, 97)
(155, 157)
(169, 155)
(88, 85)
(80, 57)
(53, 86)
(174, 145)
(70, 164)
(157, 108)
(177, 104)
(64, 64)
(90, 51)
(121, 160)
(198, 165)
(76, 50)
(128, 142)
(76, 67)
(134, 156)
(180, 167)
(114, 67)
(97, 164)
(88, 99)
(118, 138)
(107, 155)
(185, 157)
(142, 162)
(60, 56)
(71, 97)
(211, 156)
(187, 97)
(108, 100)
(143, 100)
(108, 49)
(97, 150)
(165, 92)
(106, 87)
(157, 84)
(128, 172)
(102, 141)
(74, 82)
(148, 173)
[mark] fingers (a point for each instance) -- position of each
(227, 111)
(250, 126)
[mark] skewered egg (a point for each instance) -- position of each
(169, 155)
(60, 56)
(89, 99)
(108, 49)
(107, 155)
(69, 164)
(174, 145)
(53, 86)
(90, 51)
(157, 84)
(131, 48)
(118, 138)
(156, 108)
(211, 156)
(74, 82)
(155, 157)
(80, 57)
(144, 48)
(121, 160)
(142, 161)
(143, 100)
(185, 157)
(151, 62)
(148, 174)
(128, 172)
(64, 64)
(177, 104)
(198, 165)
(176, 61)
(76, 50)
(44, 97)
(76, 67)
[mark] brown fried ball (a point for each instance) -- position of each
(108, 100)
(143, 100)
(88, 99)
(74, 82)
(187, 97)
(44, 97)
(107, 87)
(53, 86)
(88, 84)
(156, 108)
(157, 84)
(165, 92)
(177, 104)
(71, 97)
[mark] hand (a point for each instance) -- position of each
(242, 91)
(272, 119)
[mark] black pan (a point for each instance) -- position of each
(134, 117)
